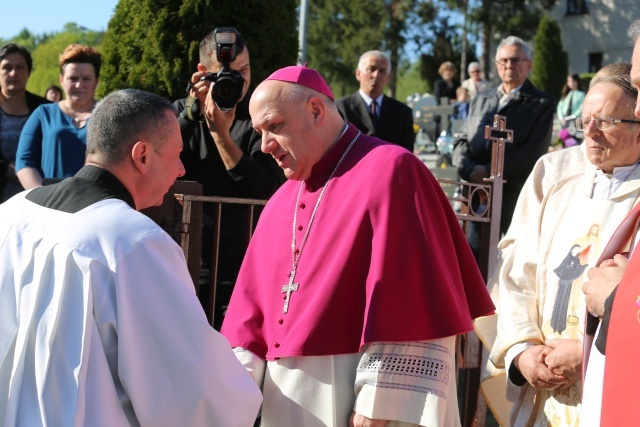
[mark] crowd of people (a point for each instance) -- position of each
(351, 324)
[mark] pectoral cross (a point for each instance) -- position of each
(288, 288)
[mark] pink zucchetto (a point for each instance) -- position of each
(302, 75)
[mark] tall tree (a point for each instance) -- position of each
(25, 38)
(446, 47)
(501, 18)
(405, 20)
(550, 60)
(339, 32)
(153, 44)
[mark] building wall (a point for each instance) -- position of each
(600, 31)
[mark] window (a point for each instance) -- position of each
(577, 7)
(595, 62)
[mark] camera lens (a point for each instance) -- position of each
(228, 89)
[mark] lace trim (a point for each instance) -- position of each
(406, 372)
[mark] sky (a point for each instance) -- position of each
(46, 16)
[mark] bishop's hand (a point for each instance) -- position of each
(358, 420)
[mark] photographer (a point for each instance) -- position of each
(222, 151)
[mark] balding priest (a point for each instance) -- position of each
(358, 277)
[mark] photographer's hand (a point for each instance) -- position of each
(219, 123)
(200, 88)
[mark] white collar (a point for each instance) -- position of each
(501, 91)
(619, 173)
(369, 100)
(605, 185)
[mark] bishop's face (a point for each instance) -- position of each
(287, 125)
(619, 145)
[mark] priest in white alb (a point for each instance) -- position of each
(541, 307)
(358, 277)
(99, 321)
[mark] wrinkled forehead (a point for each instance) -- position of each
(511, 51)
(607, 99)
(266, 101)
(375, 60)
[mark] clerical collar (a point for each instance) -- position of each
(323, 168)
(368, 100)
(619, 172)
(605, 184)
(90, 185)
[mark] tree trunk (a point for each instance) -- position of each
(463, 58)
(486, 38)
(394, 42)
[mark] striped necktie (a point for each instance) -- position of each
(373, 112)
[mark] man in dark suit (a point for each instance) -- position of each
(370, 110)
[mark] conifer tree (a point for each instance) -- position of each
(550, 60)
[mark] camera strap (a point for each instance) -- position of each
(191, 110)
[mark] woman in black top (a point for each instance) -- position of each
(446, 86)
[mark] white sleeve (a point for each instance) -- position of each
(254, 364)
(513, 391)
(412, 382)
(175, 368)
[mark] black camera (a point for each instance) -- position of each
(227, 89)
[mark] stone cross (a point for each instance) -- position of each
(444, 110)
(287, 289)
(425, 114)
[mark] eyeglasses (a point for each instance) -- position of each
(515, 61)
(602, 122)
(474, 71)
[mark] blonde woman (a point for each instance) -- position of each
(446, 86)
